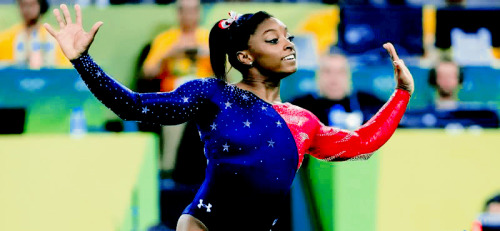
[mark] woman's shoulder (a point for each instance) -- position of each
(11, 31)
(204, 81)
(295, 110)
(209, 84)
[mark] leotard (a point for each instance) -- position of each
(253, 148)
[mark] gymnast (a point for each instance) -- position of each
(254, 143)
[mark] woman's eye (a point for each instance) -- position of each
(291, 38)
(273, 41)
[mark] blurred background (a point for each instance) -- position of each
(69, 163)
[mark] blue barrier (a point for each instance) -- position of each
(49, 95)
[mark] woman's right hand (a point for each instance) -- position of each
(72, 39)
(404, 79)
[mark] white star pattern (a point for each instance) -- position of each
(228, 104)
(214, 126)
(98, 74)
(185, 99)
(264, 108)
(245, 97)
(271, 143)
(208, 207)
(247, 123)
(278, 124)
(226, 147)
(145, 110)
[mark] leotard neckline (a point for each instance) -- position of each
(255, 95)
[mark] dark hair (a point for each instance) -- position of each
(229, 41)
(44, 6)
(433, 75)
(494, 199)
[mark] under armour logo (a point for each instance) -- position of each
(206, 206)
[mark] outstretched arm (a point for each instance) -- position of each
(335, 144)
(163, 108)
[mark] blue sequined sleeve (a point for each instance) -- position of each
(165, 108)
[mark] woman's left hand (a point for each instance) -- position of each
(404, 79)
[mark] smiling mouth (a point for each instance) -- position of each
(289, 57)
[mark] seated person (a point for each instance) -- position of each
(447, 110)
(180, 53)
(28, 44)
(175, 56)
(337, 104)
(490, 219)
(447, 78)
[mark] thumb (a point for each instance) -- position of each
(50, 29)
(95, 28)
(397, 67)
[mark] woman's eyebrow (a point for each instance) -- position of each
(272, 29)
(269, 30)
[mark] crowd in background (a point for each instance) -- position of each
(180, 54)
(414, 3)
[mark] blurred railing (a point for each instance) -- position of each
(49, 96)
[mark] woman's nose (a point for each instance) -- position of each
(289, 45)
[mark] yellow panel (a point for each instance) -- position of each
(63, 183)
(431, 180)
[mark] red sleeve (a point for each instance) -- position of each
(335, 144)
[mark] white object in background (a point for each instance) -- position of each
(102, 3)
(83, 3)
(472, 49)
(78, 123)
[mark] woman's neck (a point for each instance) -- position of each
(30, 26)
(263, 88)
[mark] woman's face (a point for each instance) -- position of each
(447, 78)
(494, 208)
(334, 79)
(30, 10)
(188, 13)
(272, 48)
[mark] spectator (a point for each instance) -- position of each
(490, 219)
(27, 44)
(337, 104)
(180, 53)
(447, 111)
(447, 78)
(493, 205)
(176, 56)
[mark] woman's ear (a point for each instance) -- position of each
(244, 57)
